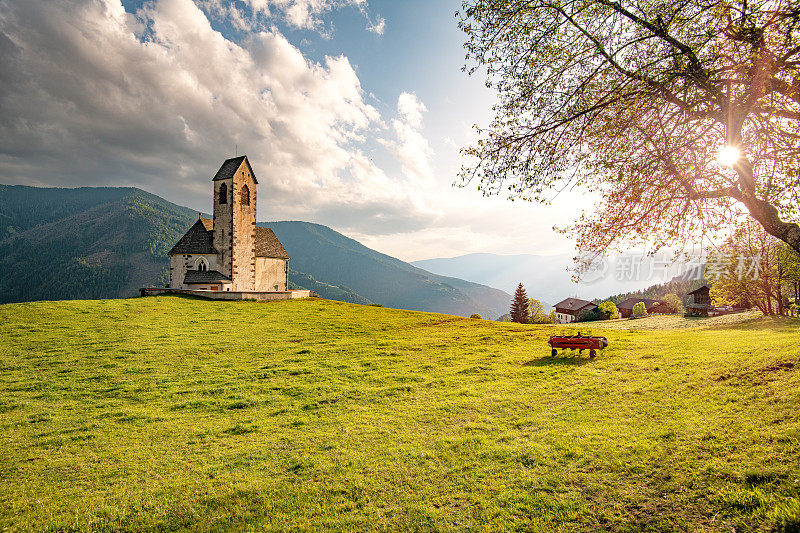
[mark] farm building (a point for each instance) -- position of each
(701, 302)
(567, 310)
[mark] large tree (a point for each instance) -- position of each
(520, 306)
(635, 101)
(752, 268)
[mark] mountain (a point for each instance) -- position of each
(90, 242)
(106, 242)
(301, 280)
(545, 277)
(328, 255)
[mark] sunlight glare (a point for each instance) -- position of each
(728, 155)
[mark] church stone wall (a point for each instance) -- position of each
(243, 253)
(179, 264)
(223, 226)
(271, 274)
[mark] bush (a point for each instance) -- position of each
(672, 304)
(476, 315)
(609, 310)
(589, 315)
(639, 309)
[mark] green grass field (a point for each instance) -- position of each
(169, 413)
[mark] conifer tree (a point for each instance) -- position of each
(519, 306)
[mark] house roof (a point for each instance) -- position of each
(200, 240)
(573, 305)
(630, 302)
(230, 166)
(205, 276)
(704, 288)
(268, 245)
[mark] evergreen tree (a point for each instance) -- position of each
(520, 305)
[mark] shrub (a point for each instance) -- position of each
(639, 309)
(609, 310)
(673, 304)
(476, 315)
(588, 315)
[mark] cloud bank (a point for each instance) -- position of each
(92, 95)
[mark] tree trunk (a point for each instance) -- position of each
(779, 286)
(764, 212)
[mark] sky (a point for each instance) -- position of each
(352, 113)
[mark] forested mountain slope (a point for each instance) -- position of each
(84, 243)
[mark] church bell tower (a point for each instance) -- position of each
(235, 222)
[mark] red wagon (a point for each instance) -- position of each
(577, 342)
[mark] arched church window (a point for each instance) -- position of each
(245, 195)
(201, 265)
(223, 194)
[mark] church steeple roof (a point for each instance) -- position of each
(230, 166)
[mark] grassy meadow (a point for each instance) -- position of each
(169, 413)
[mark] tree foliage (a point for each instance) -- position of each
(635, 101)
(751, 269)
(659, 291)
(609, 310)
(589, 315)
(536, 313)
(672, 303)
(639, 309)
(520, 305)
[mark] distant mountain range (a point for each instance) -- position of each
(105, 242)
(324, 254)
(545, 277)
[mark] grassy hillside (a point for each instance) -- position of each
(169, 414)
(329, 256)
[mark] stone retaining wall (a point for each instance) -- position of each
(229, 295)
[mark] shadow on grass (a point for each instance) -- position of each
(779, 324)
(560, 360)
(177, 296)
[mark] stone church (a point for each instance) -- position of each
(230, 253)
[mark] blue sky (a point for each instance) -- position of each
(351, 111)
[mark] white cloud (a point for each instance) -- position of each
(411, 109)
(301, 14)
(379, 26)
(412, 149)
(93, 95)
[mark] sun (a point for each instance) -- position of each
(728, 155)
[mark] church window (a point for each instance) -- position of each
(223, 194)
(201, 265)
(245, 195)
